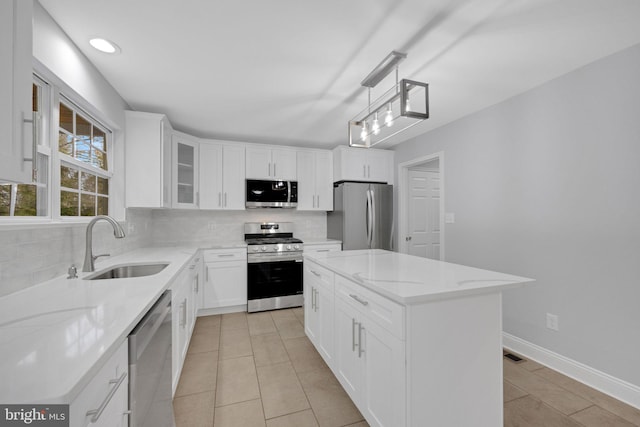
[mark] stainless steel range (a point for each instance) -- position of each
(274, 272)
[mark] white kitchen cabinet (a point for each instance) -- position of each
(148, 154)
(319, 309)
(222, 176)
(112, 376)
(362, 164)
(225, 286)
(270, 163)
(16, 80)
(369, 361)
(181, 323)
(185, 171)
(196, 276)
(315, 180)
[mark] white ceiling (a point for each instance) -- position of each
(289, 71)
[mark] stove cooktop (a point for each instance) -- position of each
(272, 240)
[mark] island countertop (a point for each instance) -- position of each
(409, 279)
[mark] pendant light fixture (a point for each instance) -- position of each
(404, 105)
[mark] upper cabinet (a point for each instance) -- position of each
(315, 184)
(362, 164)
(222, 176)
(271, 163)
(148, 154)
(185, 171)
(16, 136)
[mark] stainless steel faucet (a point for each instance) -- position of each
(89, 258)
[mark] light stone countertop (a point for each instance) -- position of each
(320, 242)
(55, 336)
(409, 279)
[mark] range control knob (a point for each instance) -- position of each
(275, 248)
(288, 247)
(296, 247)
(264, 248)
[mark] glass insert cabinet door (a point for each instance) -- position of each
(185, 173)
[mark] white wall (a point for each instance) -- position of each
(546, 185)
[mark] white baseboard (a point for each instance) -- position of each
(222, 310)
(614, 387)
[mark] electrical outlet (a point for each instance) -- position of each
(211, 227)
(131, 228)
(552, 322)
(449, 218)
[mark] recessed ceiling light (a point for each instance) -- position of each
(104, 45)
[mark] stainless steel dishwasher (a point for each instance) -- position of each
(150, 390)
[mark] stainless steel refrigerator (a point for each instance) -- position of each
(362, 215)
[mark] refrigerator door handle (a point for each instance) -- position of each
(374, 223)
(369, 218)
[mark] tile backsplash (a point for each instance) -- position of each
(31, 254)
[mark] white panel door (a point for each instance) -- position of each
(424, 214)
(324, 181)
(283, 164)
(233, 177)
(226, 284)
(383, 391)
(211, 176)
(306, 165)
(347, 364)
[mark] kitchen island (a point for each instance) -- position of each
(413, 341)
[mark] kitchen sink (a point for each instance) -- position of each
(125, 271)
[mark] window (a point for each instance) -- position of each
(73, 171)
(84, 168)
(31, 200)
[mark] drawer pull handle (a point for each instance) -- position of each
(96, 413)
(316, 273)
(360, 300)
(225, 255)
(322, 250)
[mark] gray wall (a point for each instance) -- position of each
(547, 185)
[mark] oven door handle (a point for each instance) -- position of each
(258, 259)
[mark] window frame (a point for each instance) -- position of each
(56, 91)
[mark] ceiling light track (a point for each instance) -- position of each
(403, 106)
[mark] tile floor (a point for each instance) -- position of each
(260, 369)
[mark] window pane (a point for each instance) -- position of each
(83, 149)
(68, 203)
(88, 182)
(103, 186)
(5, 200)
(88, 205)
(68, 177)
(99, 159)
(99, 139)
(103, 206)
(65, 143)
(66, 118)
(26, 200)
(35, 95)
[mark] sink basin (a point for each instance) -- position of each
(125, 271)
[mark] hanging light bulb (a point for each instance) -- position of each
(388, 118)
(376, 125)
(364, 133)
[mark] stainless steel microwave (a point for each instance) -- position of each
(271, 194)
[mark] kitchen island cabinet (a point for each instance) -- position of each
(415, 341)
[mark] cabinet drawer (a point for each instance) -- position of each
(325, 247)
(107, 390)
(377, 308)
(215, 255)
(319, 275)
